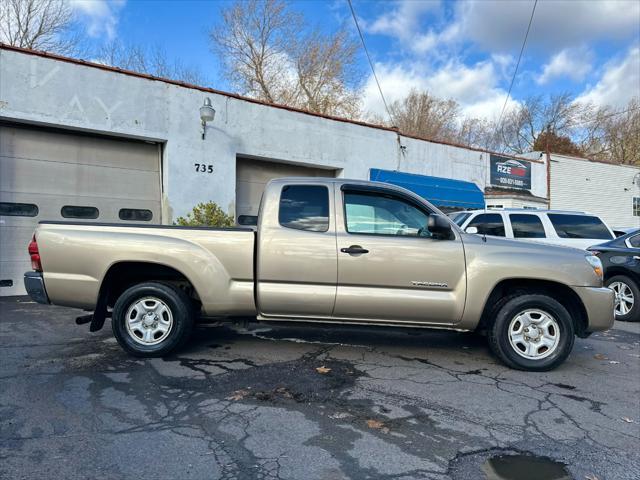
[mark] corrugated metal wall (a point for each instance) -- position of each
(603, 189)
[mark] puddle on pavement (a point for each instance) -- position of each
(524, 467)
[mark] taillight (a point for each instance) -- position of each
(35, 254)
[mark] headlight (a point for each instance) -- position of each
(596, 264)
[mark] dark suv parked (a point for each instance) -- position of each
(621, 262)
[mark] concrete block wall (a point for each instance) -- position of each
(64, 94)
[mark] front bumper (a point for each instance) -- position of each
(34, 284)
(599, 305)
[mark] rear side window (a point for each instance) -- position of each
(73, 211)
(135, 214)
(10, 209)
(579, 226)
(304, 207)
(488, 224)
(526, 226)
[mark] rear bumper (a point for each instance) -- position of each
(34, 284)
(599, 305)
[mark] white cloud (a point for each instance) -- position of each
(402, 20)
(573, 63)
(99, 16)
(619, 82)
(500, 26)
(473, 87)
(434, 43)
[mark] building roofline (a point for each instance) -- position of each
(593, 160)
(131, 73)
(497, 192)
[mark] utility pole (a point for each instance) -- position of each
(548, 166)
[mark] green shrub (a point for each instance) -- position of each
(206, 215)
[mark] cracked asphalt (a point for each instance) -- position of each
(248, 403)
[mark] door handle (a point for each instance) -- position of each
(354, 250)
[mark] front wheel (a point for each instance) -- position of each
(627, 304)
(152, 319)
(532, 332)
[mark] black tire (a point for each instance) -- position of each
(499, 338)
(634, 314)
(181, 313)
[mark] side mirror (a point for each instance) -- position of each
(439, 226)
(471, 230)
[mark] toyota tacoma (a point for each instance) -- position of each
(324, 251)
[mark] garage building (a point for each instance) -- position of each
(86, 142)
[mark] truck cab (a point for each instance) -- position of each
(326, 248)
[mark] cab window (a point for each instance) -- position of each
(304, 207)
(382, 214)
(488, 224)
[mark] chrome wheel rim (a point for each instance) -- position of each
(623, 298)
(149, 321)
(534, 334)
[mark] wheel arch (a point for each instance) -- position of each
(556, 290)
(614, 271)
(121, 275)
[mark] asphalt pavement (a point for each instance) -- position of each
(306, 402)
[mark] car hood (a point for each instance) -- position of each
(496, 259)
(522, 246)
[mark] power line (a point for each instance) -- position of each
(515, 72)
(366, 51)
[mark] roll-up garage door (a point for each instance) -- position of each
(252, 176)
(55, 175)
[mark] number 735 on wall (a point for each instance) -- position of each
(204, 168)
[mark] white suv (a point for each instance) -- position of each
(570, 229)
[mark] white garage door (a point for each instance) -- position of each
(47, 175)
(252, 176)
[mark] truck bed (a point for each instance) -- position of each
(76, 256)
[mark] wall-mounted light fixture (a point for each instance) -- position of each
(207, 114)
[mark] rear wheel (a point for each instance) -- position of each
(627, 300)
(152, 319)
(532, 332)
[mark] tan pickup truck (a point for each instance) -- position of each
(327, 251)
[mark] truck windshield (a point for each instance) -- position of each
(459, 217)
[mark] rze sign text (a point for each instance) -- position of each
(509, 172)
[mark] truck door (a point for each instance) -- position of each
(296, 256)
(389, 266)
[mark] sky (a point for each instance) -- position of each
(463, 50)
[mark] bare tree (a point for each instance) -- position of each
(423, 115)
(523, 124)
(150, 60)
(268, 52)
(37, 24)
(614, 135)
(326, 71)
(478, 132)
